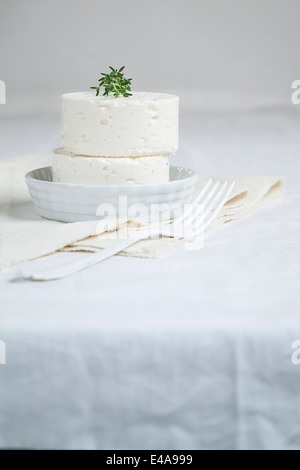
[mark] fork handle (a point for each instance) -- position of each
(67, 269)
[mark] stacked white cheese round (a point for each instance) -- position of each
(108, 140)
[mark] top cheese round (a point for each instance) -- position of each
(105, 126)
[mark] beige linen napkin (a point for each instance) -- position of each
(25, 236)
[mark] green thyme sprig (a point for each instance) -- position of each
(115, 83)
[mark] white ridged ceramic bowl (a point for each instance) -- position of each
(76, 202)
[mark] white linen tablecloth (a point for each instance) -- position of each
(192, 351)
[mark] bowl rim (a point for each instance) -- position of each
(29, 177)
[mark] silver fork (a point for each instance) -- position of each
(208, 203)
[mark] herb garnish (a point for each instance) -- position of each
(115, 83)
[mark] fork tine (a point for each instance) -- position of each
(213, 202)
(194, 204)
(202, 193)
(215, 208)
(211, 193)
(190, 214)
(219, 206)
(201, 207)
(209, 208)
(196, 213)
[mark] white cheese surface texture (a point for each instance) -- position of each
(138, 125)
(108, 171)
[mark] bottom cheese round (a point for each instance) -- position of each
(109, 170)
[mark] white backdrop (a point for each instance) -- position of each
(192, 350)
(47, 48)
